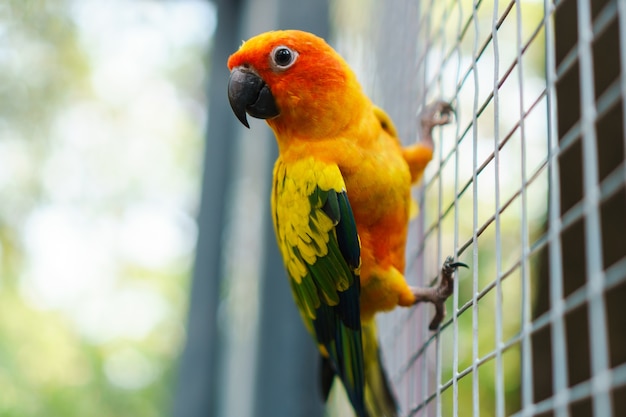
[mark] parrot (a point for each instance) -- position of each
(340, 202)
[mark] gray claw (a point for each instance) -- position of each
(438, 294)
(435, 114)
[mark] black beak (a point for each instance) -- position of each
(248, 93)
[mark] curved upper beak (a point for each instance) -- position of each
(248, 93)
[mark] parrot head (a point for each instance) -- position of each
(295, 81)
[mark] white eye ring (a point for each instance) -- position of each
(283, 57)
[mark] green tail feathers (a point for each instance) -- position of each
(380, 400)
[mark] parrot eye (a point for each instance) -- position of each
(283, 57)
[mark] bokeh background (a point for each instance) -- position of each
(102, 117)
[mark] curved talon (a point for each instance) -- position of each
(435, 114)
(438, 294)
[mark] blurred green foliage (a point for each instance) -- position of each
(101, 123)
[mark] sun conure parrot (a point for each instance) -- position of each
(341, 201)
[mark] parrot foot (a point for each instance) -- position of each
(440, 293)
(435, 114)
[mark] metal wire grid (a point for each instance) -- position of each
(602, 379)
(422, 393)
(463, 134)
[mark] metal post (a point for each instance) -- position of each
(196, 393)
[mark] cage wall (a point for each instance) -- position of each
(527, 187)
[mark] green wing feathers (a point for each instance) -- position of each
(317, 236)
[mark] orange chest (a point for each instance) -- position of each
(378, 185)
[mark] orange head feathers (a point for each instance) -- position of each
(297, 82)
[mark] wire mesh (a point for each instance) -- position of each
(527, 187)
